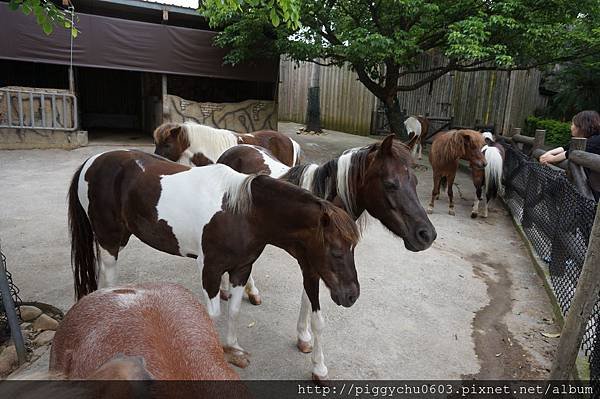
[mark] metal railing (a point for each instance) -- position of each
(30, 107)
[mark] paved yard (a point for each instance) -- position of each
(470, 306)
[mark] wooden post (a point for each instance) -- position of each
(578, 143)
(165, 104)
(583, 302)
(515, 131)
(540, 137)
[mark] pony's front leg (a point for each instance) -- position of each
(213, 305)
(451, 196)
(420, 149)
(252, 292)
(234, 353)
(317, 324)
(475, 210)
(303, 327)
(437, 180)
(224, 290)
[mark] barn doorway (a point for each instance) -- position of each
(111, 104)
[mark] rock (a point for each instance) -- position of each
(29, 313)
(8, 360)
(44, 338)
(45, 322)
(26, 326)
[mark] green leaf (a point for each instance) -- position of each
(47, 27)
(74, 33)
(274, 17)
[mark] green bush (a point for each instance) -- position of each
(557, 133)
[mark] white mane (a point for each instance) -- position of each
(343, 184)
(493, 168)
(413, 125)
(210, 141)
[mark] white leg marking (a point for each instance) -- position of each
(107, 275)
(303, 319)
(475, 209)
(318, 359)
(213, 305)
(234, 309)
(225, 282)
(420, 151)
(251, 287)
(485, 209)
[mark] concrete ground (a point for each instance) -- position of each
(471, 306)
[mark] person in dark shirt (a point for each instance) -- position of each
(584, 124)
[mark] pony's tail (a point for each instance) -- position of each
(443, 183)
(493, 172)
(84, 247)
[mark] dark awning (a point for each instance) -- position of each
(123, 44)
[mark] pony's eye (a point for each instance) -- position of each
(390, 185)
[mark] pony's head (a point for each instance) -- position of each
(330, 254)
(474, 144)
(171, 140)
(387, 190)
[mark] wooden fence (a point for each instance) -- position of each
(499, 98)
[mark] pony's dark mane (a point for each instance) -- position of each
(294, 174)
(324, 184)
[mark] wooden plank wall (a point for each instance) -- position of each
(499, 98)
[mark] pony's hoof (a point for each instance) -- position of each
(451, 212)
(237, 357)
(473, 215)
(320, 379)
(255, 299)
(304, 347)
(430, 210)
(225, 295)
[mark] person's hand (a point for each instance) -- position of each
(545, 158)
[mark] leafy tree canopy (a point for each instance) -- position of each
(46, 13)
(382, 39)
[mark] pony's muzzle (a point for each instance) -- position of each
(346, 296)
(426, 235)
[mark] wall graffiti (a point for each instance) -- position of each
(243, 117)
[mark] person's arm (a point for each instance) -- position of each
(555, 155)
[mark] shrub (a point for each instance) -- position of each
(557, 133)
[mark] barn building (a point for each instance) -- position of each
(133, 65)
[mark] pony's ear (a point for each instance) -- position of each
(175, 132)
(467, 139)
(412, 141)
(386, 145)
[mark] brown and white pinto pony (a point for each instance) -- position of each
(417, 126)
(163, 324)
(377, 179)
(446, 151)
(193, 144)
(491, 177)
(222, 218)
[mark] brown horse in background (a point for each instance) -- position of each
(193, 144)
(446, 151)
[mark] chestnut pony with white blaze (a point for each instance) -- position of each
(447, 149)
(377, 179)
(193, 144)
(222, 218)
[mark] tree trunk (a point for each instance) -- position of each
(395, 117)
(313, 109)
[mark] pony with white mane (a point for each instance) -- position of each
(492, 176)
(193, 144)
(417, 126)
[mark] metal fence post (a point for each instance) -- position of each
(11, 314)
(583, 302)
